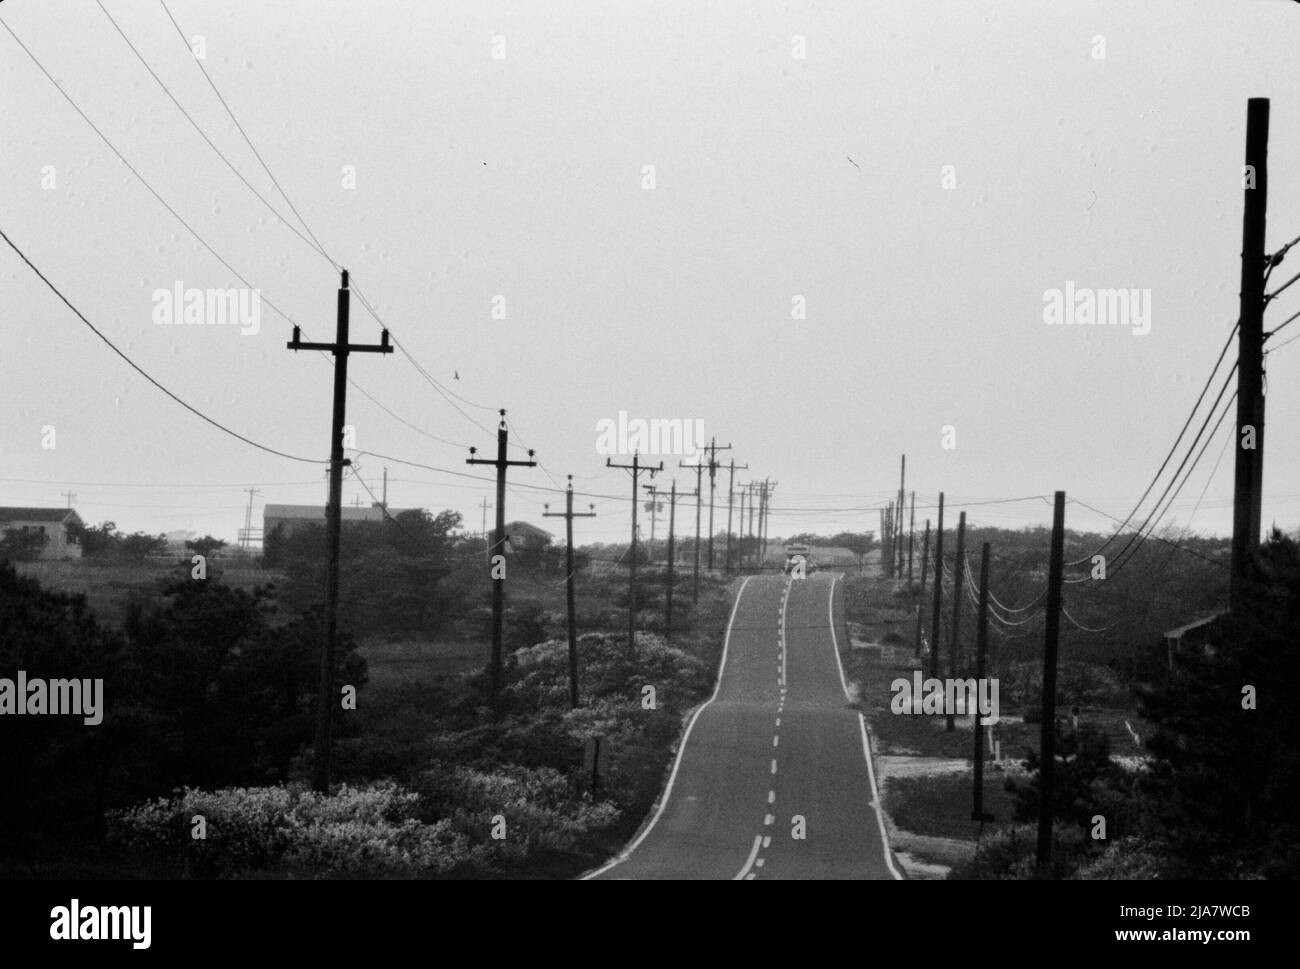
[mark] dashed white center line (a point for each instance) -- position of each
(767, 840)
(771, 797)
(773, 765)
(778, 721)
(768, 819)
(776, 740)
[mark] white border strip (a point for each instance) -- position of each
(749, 862)
(862, 722)
(681, 748)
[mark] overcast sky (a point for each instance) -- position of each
(1091, 143)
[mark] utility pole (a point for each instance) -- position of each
(740, 543)
(1047, 743)
(636, 467)
(902, 504)
(70, 495)
(889, 529)
(731, 482)
(911, 539)
(340, 348)
(569, 515)
(672, 555)
(1248, 483)
(713, 449)
(486, 547)
(753, 487)
(248, 517)
(699, 471)
(958, 590)
(501, 463)
(981, 650)
(920, 602)
(654, 518)
(937, 615)
(764, 508)
(384, 500)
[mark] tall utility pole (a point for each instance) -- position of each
(248, 517)
(981, 650)
(713, 449)
(653, 508)
(569, 515)
(731, 488)
(1248, 484)
(764, 514)
(911, 539)
(672, 555)
(1047, 743)
(384, 500)
(487, 551)
(70, 495)
(699, 471)
(740, 541)
(902, 504)
(340, 348)
(958, 593)
(636, 467)
(937, 616)
(753, 487)
(889, 529)
(920, 602)
(498, 574)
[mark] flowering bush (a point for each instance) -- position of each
(368, 831)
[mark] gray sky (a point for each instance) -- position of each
(522, 177)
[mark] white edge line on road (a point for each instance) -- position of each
(681, 748)
(749, 862)
(866, 744)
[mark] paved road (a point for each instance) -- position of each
(777, 743)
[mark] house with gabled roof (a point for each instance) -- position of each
(53, 523)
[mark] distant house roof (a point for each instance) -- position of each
(1181, 631)
(39, 515)
(525, 528)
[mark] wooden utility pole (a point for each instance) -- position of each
(248, 518)
(753, 488)
(937, 616)
(340, 348)
(487, 551)
(958, 591)
(920, 602)
(731, 487)
(981, 650)
(1249, 480)
(902, 505)
(636, 467)
(699, 470)
(569, 515)
(654, 519)
(71, 495)
(911, 539)
(1047, 742)
(501, 463)
(713, 449)
(672, 554)
(764, 517)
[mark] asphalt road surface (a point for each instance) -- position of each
(772, 778)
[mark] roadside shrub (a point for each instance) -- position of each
(353, 832)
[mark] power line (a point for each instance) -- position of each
(112, 346)
(1168, 457)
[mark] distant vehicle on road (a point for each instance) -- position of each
(795, 553)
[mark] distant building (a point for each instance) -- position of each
(296, 517)
(523, 537)
(53, 523)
